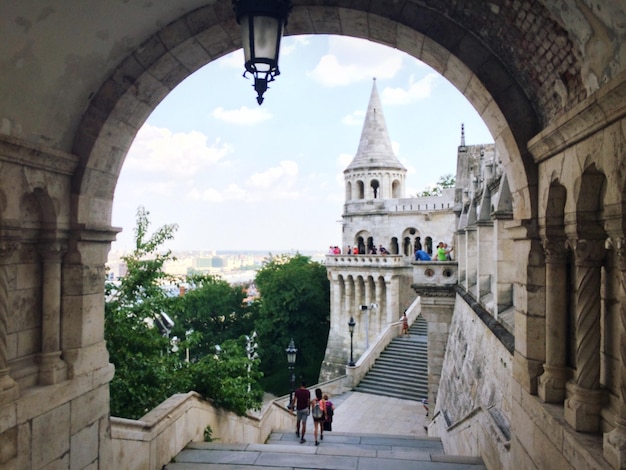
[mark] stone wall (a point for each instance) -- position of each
(473, 411)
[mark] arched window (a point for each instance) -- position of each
(348, 191)
(395, 189)
(407, 246)
(360, 187)
(393, 247)
(375, 185)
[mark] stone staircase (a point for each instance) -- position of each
(401, 371)
(338, 451)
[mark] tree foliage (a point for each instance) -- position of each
(147, 370)
(213, 308)
(445, 182)
(295, 303)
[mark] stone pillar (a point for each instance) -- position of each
(52, 369)
(484, 259)
(379, 313)
(437, 303)
(9, 390)
(392, 301)
(582, 410)
(336, 300)
(615, 441)
(552, 382)
(344, 316)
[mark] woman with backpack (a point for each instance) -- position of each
(318, 407)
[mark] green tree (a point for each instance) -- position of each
(147, 371)
(445, 182)
(295, 302)
(144, 371)
(214, 311)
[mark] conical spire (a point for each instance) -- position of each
(375, 149)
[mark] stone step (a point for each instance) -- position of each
(414, 393)
(401, 371)
(338, 451)
(412, 369)
(393, 383)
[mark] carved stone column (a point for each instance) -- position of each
(615, 441)
(552, 383)
(582, 410)
(52, 369)
(9, 390)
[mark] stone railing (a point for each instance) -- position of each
(355, 374)
(152, 441)
(365, 261)
(435, 273)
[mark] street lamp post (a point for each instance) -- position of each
(251, 347)
(351, 325)
(291, 361)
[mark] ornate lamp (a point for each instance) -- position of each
(291, 361)
(262, 23)
(351, 325)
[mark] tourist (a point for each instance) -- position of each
(302, 397)
(330, 411)
(356, 250)
(421, 255)
(443, 252)
(405, 325)
(318, 420)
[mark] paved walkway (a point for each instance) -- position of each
(364, 413)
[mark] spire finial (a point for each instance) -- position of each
(462, 135)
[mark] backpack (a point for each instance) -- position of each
(318, 413)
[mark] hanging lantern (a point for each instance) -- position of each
(262, 23)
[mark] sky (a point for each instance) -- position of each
(234, 175)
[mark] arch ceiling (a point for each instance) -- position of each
(83, 78)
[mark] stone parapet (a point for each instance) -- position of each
(365, 261)
(436, 273)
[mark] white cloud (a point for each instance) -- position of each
(233, 60)
(351, 60)
(281, 177)
(292, 43)
(417, 90)
(177, 154)
(344, 160)
(244, 115)
(354, 119)
(232, 192)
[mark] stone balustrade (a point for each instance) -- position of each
(435, 273)
(365, 261)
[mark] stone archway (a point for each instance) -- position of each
(493, 85)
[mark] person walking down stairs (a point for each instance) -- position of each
(302, 398)
(319, 414)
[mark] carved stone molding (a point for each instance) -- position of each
(555, 250)
(588, 252)
(7, 248)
